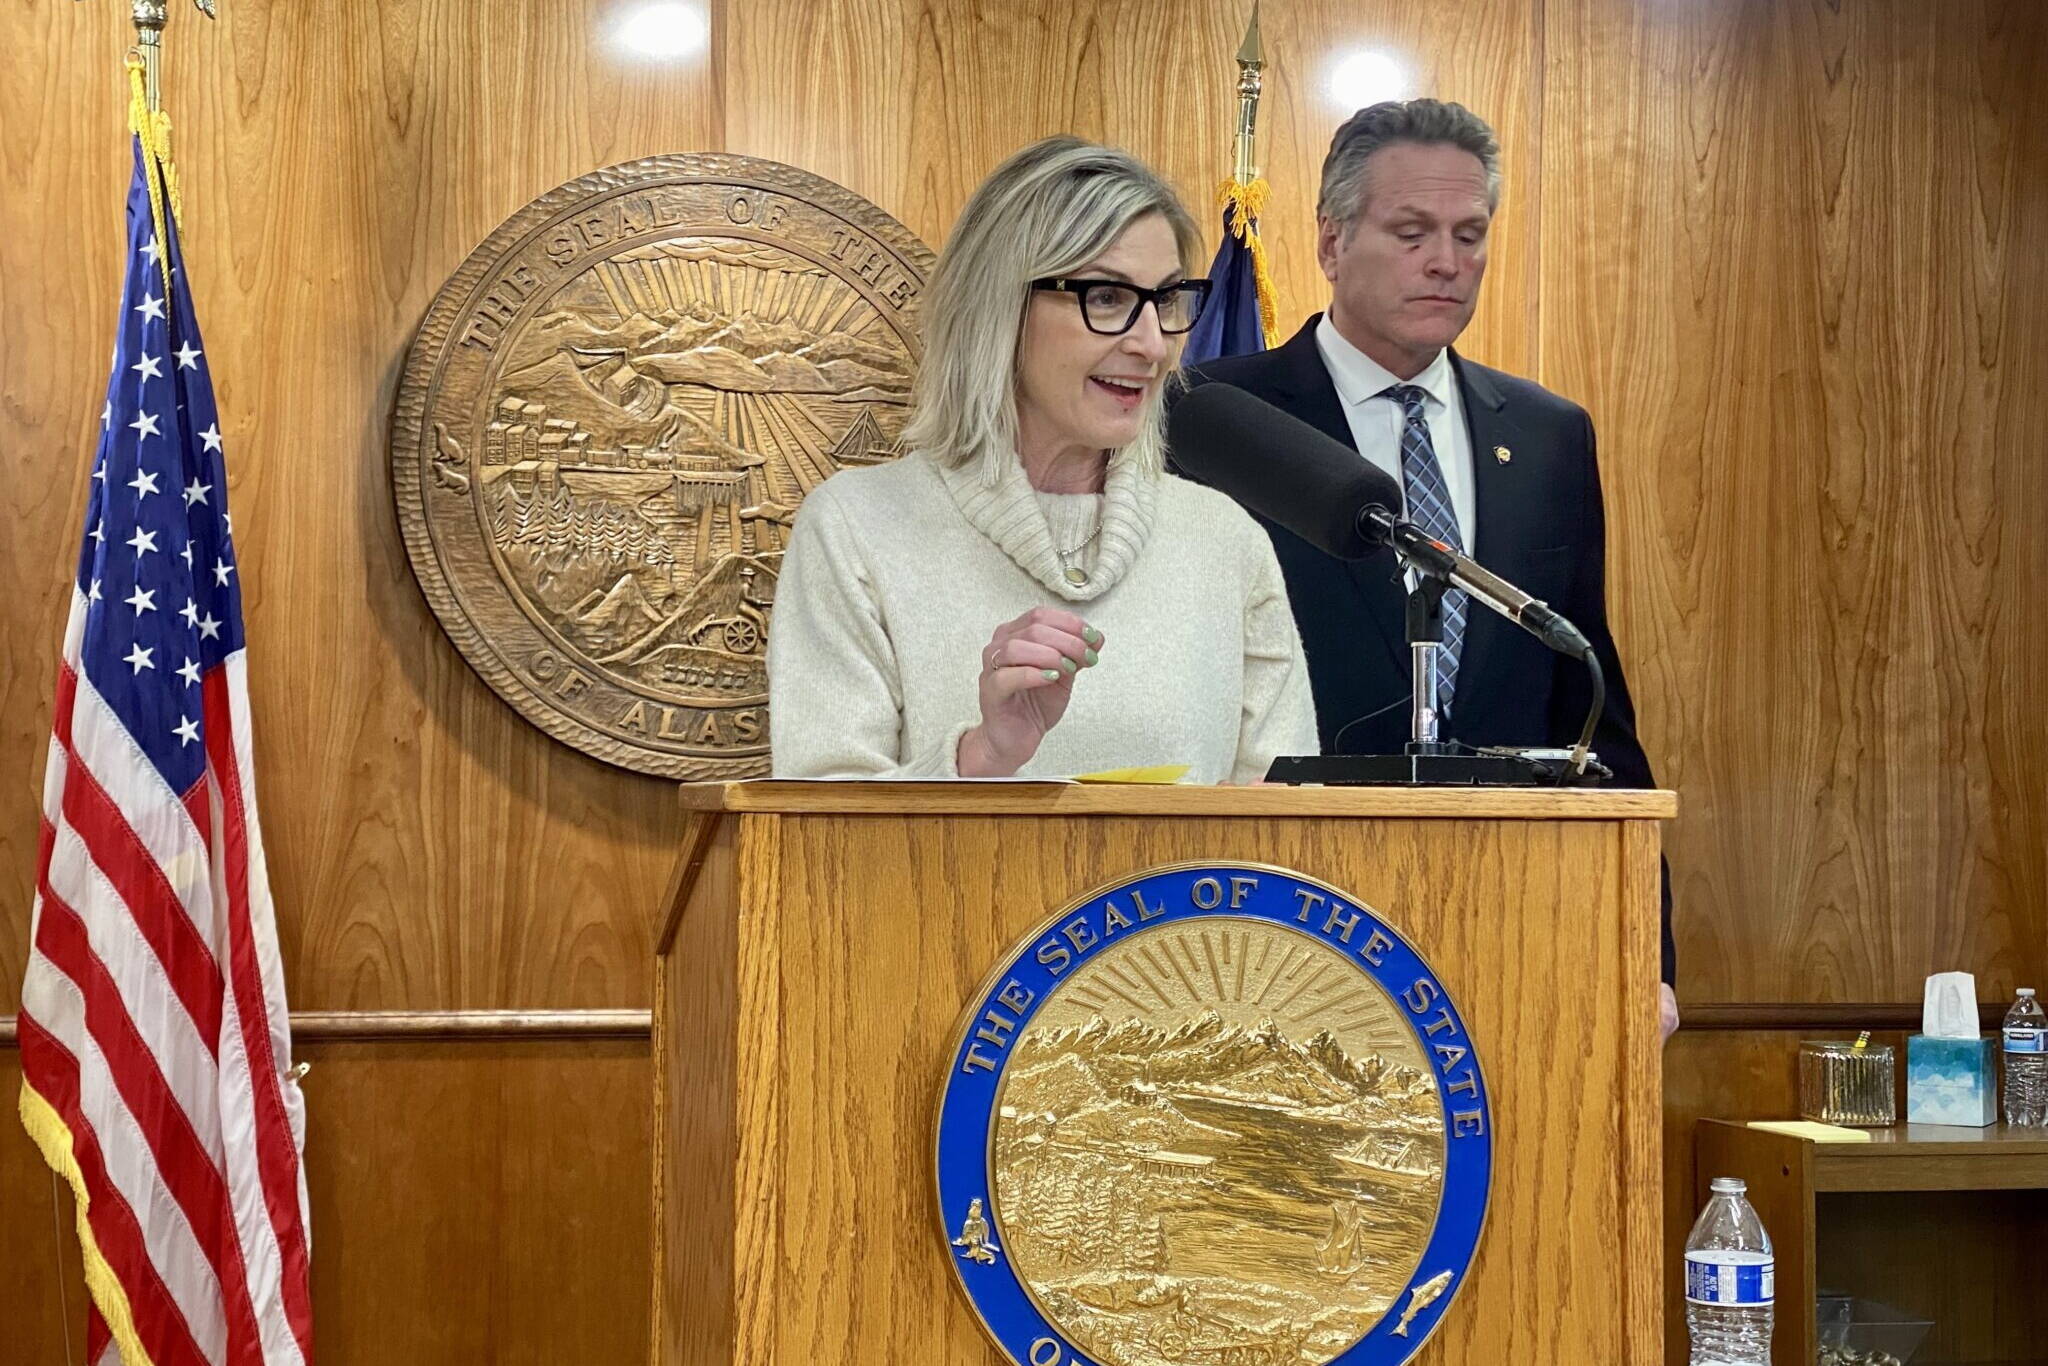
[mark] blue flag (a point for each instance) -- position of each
(1233, 323)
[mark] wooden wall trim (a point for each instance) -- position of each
(321, 1026)
(328, 1026)
(1818, 1015)
(367, 1026)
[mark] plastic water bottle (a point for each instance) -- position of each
(1730, 1281)
(2026, 1062)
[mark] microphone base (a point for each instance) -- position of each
(1418, 770)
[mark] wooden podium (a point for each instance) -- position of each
(821, 939)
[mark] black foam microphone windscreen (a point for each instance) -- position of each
(1279, 466)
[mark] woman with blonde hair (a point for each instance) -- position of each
(1027, 591)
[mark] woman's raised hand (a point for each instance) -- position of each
(1028, 670)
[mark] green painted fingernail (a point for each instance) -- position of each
(1069, 665)
(1091, 635)
(1052, 673)
(1092, 657)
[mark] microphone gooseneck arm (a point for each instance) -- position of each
(1584, 748)
(1427, 555)
(1433, 559)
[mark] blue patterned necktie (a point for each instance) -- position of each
(1429, 507)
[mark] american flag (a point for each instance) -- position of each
(155, 1045)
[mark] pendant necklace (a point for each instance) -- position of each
(1074, 574)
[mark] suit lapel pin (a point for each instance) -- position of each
(1503, 454)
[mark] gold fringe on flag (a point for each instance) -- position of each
(53, 1137)
(1245, 201)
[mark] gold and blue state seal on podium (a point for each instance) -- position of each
(1213, 1114)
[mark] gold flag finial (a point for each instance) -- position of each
(1248, 52)
(149, 17)
(1251, 59)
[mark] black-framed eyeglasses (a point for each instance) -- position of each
(1111, 307)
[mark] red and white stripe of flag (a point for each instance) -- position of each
(155, 1041)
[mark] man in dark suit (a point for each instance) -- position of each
(1495, 465)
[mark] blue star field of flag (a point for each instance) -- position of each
(157, 566)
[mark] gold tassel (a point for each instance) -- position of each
(153, 127)
(1246, 200)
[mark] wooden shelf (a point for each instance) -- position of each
(1885, 1218)
(1935, 1157)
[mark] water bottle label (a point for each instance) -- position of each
(1712, 1278)
(2026, 1040)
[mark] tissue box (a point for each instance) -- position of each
(1950, 1081)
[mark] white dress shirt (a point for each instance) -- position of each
(1376, 421)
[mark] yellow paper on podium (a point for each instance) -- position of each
(1158, 773)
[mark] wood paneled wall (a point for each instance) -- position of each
(1791, 254)
(1786, 251)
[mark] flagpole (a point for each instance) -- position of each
(1251, 61)
(149, 17)
(1244, 197)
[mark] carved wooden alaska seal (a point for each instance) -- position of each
(605, 426)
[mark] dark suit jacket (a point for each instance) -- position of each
(1542, 526)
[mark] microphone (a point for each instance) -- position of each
(1326, 493)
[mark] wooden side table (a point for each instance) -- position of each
(1923, 1217)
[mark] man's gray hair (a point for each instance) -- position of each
(1428, 122)
(1048, 210)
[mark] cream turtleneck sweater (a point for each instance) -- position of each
(896, 576)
